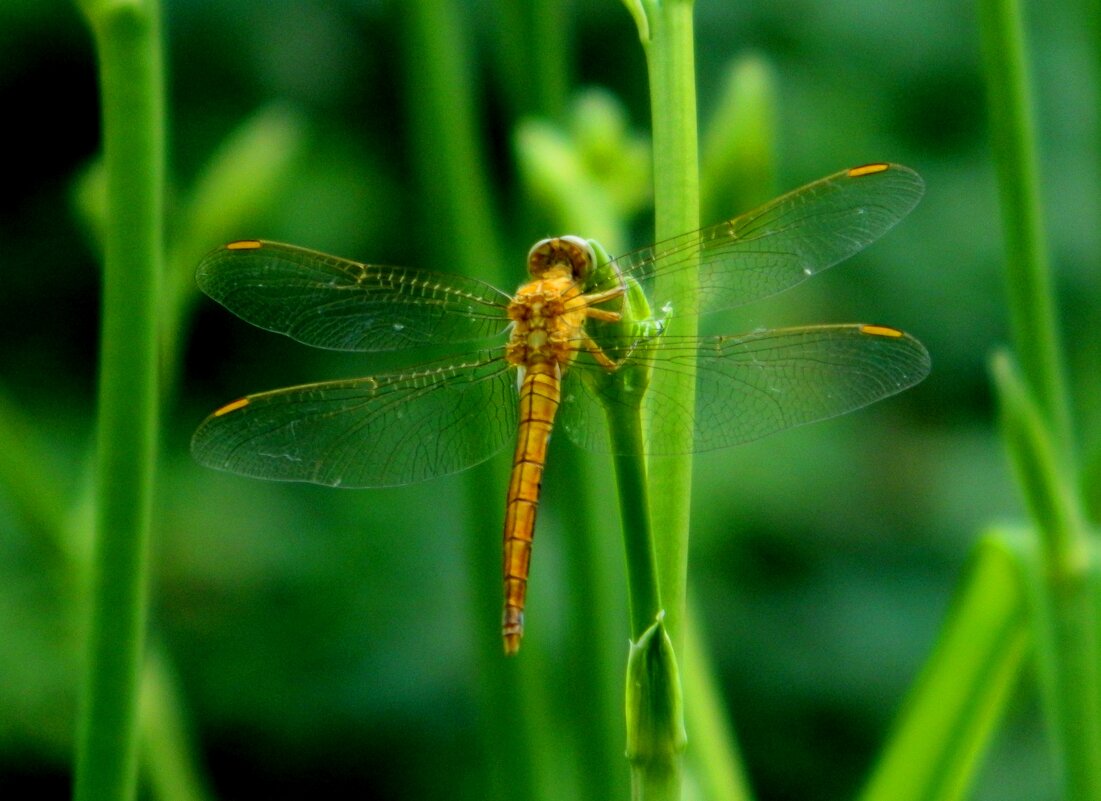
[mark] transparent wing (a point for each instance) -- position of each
(754, 385)
(783, 242)
(368, 432)
(334, 303)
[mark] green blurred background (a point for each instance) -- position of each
(329, 641)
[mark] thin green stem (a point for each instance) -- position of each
(451, 169)
(585, 194)
(1036, 419)
(1049, 492)
(642, 580)
(129, 48)
(1064, 586)
(670, 56)
(1033, 318)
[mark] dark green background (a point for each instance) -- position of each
(323, 639)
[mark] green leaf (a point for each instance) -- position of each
(953, 709)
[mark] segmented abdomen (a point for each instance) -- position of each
(539, 393)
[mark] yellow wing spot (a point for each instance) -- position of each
(240, 403)
(245, 244)
(877, 331)
(868, 169)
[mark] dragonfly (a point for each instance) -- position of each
(540, 359)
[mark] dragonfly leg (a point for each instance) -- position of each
(603, 315)
(603, 297)
(589, 301)
(598, 353)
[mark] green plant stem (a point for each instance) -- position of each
(654, 709)
(625, 427)
(128, 43)
(953, 709)
(1064, 586)
(451, 169)
(666, 31)
(1049, 492)
(1033, 318)
(1036, 421)
(667, 38)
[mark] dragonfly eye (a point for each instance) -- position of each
(570, 252)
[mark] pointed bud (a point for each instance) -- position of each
(655, 712)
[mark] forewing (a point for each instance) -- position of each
(782, 243)
(750, 386)
(368, 432)
(329, 302)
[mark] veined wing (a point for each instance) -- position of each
(753, 385)
(381, 431)
(329, 302)
(783, 242)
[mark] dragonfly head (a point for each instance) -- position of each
(566, 252)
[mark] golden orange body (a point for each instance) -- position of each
(548, 317)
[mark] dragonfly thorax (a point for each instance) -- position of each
(569, 252)
(546, 319)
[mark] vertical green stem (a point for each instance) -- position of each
(655, 750)
(1063, 590)
(1036, 338)
(634, 503)
(668, 40)
(129, 48)
(1036, 420)
(451, 168)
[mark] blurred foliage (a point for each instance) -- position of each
(322, 638)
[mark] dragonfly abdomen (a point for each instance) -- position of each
(539, 394)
